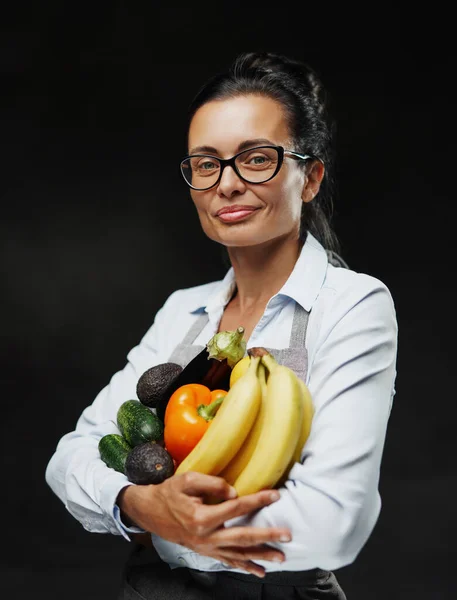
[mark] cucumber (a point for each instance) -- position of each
(138, 424)
(114, 450)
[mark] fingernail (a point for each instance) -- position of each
(278, 559)
(285, 538)
(274, 496)
(233, 493)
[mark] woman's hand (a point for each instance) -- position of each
(176, 511)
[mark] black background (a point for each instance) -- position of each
(98, 229)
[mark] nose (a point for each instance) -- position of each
(230, 183)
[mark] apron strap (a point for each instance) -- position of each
(195, 329)
(297, 334)
(299, 327)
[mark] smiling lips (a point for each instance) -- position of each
(233, 213)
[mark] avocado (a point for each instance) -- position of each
(155, 383)
(148, 463)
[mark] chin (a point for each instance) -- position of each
(243, 241)
(234, 239)
(250, 239)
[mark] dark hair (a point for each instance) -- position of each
(297, 87)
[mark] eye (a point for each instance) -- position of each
(207, 165)
(258, 160)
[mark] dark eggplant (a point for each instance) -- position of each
(208, 371)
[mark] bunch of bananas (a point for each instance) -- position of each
(260, 429)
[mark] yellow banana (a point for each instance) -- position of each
(229, 428)
(282, 424)
(308, 413)
(241, 458)
(239, 369)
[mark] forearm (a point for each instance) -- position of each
(75, 472)
(134, 503)
(325, 533)
(84, 484)
(124, 502)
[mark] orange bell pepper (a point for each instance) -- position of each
(188, 415)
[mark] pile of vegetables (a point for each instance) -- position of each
(175, 407)
(137, 450)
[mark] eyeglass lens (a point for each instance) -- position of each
(255, 166)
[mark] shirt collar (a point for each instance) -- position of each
(220, 296)
(308, 275)
(303, 284)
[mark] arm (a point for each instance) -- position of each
(75, 472)
(176, 510)
(330, 501)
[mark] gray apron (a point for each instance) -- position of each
(147, 577)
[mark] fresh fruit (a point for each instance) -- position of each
(239, 369)
(188, 415)
(241, 458)
(282, 424)
(138, 424)
(113, 450)
(229, 428)
(228, 345)
(155, 383)
(148, 463)
(308, 413)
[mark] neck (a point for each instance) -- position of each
(261, 271)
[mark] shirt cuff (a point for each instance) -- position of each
(121, 526)
(109, 494)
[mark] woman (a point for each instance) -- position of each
(259, 172)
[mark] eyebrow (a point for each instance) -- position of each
(243, 145)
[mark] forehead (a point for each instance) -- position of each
(224, 124)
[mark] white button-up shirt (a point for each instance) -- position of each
(331, 501)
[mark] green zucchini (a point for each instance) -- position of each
(113, 450)
(138, 424)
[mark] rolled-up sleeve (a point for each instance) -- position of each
(75, 472)
(331, 501)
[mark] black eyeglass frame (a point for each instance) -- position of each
(224, 162)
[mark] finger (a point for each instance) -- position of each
(248, 566)
(251, 553)
(200, 484)
(249, 536)
(219, 513)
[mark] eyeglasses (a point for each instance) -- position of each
(255, 165)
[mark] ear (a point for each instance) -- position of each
(313, 177)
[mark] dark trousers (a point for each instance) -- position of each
(147, 577)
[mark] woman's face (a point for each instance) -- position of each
(223, 127)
